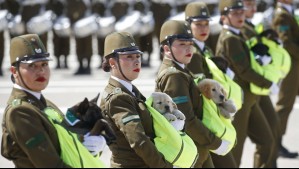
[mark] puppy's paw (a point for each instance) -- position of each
(179, 115)
(178, 124)
(170, 117)
(229, 105)
(224, 112)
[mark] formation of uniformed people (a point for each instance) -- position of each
(250, 63)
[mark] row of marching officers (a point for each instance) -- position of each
(76, 17)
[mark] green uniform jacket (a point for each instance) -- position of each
(288, 30)
(133, 126)
(235, 50)
(198, 64)
(179, 84)
(29, 139)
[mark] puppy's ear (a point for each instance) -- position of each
(83, 106)
(205, 89)
(95, 100)
(208, 91)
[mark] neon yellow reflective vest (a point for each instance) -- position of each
(220, 126)
(73, 153)
(281, 58)
(234, 91)
(273, 72)
(177, 147)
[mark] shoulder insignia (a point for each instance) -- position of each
(171, 70)
(16, 102)
(117, 90)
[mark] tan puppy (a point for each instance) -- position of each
(163, 103)
(211, 89)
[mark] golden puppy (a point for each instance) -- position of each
(164, 104)
(211, 89)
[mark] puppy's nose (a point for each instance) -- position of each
(167, 108)
(222, 97)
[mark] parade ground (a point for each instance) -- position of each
(65, 90)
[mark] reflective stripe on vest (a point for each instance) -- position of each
(271, 72)
(73, 153)
(177, 147)
(233, 90)
(220, 126)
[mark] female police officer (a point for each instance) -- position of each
(250, 120)
(124, 106)
(175, 80)
(198, 17)
(31, 137)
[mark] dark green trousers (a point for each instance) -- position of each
(250, 121)
(287, 95)
(274, 121)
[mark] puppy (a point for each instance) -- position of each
(211, 89)
(164, 104)
(221, 63)
(89, 118)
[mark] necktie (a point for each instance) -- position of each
(43, 100)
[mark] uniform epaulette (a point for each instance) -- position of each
(228, 33)
(16, 102)
(171, 70)
(115, 91)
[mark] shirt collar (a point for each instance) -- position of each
(288, 7)
(35, 94)
(180, 64)
(200, 44)
(235, 30)
(127, 85)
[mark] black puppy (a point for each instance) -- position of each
(221, 63)
(85, 117)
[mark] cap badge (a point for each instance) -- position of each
(38, 50)
(240, 4)
(204, 13)
(133, 44)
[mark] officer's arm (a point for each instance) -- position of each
(126, 118)
(238, 54)
(177, 86)
(28, 131)
(288, 33)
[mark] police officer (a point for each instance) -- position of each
(61, 44)
(284, 23)
(249, 120)
(198, 16)
(30, 9)
(265, 102)
(2, 6)
(145, 41)
(125, 109)
(76, 10)
(31, 131)
(178, 82)
(13, 7)
(100, 7)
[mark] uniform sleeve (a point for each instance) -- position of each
(237, 55)
(28, 131)
(177, 86)
(288, 32)
(126, 118)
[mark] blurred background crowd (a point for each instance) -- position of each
(85, 20)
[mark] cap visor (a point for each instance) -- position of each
(201, 19)
(36, 60)
(130, 52)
